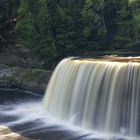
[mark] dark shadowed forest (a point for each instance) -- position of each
(54, 29)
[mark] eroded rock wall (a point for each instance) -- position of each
(32, 79)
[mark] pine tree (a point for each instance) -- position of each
(95, 29)
(8, 17)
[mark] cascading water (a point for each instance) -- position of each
(101, 95)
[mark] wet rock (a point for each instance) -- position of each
(32, 79)
(7, 134)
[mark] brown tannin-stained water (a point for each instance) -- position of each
(101, 95)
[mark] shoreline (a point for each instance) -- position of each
(27, 79)
(7, 134)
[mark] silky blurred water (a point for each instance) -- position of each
(25, 114)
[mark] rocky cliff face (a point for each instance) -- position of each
(20, 69)
(32, 79)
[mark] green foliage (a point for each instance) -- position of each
(95, 29)
(135, 22)
(8, 17)
(56, 28)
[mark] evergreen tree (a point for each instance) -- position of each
(135, 5)
(124, 34)
(95, 29)
(56, 28)
(8, 17)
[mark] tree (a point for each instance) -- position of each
(135, 6)
(124, 34)
(99, 16)
(54, 29)
(8, 17)
(37, 28)
(50, 28)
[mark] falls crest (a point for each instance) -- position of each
(97, 95)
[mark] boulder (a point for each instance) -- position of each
(7, 134)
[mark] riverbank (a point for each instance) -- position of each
(31, 79)
(7, 134)
(19, 69)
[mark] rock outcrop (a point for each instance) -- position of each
(7, 134)
(31, 79)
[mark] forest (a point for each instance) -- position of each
(54, 29)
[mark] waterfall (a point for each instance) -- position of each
(96, 94)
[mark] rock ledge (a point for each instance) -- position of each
(7, 134)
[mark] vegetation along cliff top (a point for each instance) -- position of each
(52, 30)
